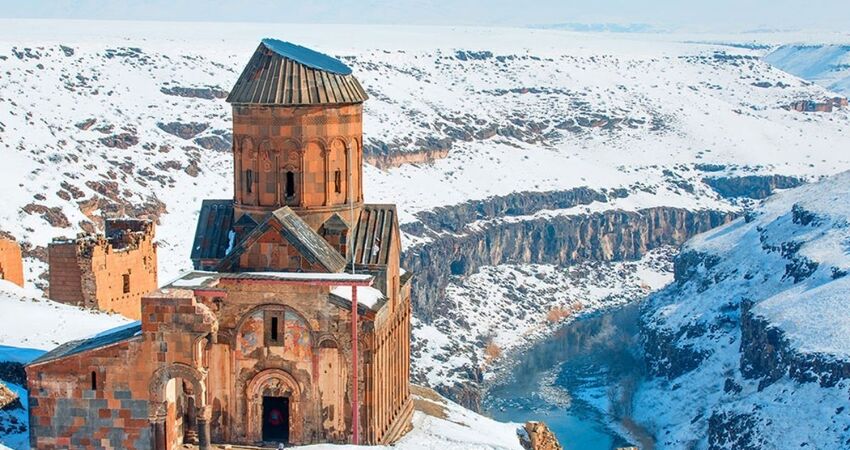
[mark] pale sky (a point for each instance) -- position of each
(682, 15)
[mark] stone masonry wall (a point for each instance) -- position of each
(110, 272)
(65, 412)
(11, 266)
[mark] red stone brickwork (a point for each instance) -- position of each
(11, 265)
(273, 252)
(296, 156)
(109, 272)
(225, 358)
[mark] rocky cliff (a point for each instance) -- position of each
(748, 348)
(501, 230)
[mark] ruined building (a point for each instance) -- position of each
(110, 272)
(11, 264)
(295, 326)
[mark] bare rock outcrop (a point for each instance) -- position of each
(538, 436)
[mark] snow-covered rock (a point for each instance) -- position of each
(749, 345)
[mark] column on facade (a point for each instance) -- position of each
(203, 417)
(158, 432)
(191, 436)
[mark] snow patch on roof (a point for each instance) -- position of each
(366, 295)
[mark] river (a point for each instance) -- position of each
(590, 365)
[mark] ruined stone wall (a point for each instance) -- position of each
(70, 408)
(11, 265)
(110, 273)
(65, 274)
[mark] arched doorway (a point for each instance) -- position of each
(178, 408)
(274, 408)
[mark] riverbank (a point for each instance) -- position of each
(579, 381)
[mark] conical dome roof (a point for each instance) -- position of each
(284, 74)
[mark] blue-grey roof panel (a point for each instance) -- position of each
(109, 337)
(309, 58)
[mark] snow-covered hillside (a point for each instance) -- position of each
(123, 118)
(128, 118)
(827, 65)
(750, 344)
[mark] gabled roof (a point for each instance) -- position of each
(335, 222)
(298, 233)
(212, 236)
(308, 241)
(109, 337)
(282, 73)
(373, 234)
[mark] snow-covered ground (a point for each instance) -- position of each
(749, 342)
(31, 325)
(93, 122)
(440, 424)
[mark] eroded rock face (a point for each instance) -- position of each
(206, 93)
(606, 236)
(767, 355)
(396, 159)
(751, 186)
(52, 215)
(120, 140)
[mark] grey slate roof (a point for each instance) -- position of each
(212, 233)
(280, 73)
(113, 336)
(373, 233)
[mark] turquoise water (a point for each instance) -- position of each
(589, 364)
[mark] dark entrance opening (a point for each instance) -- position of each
(276, 419)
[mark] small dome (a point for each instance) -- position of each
(285, 74)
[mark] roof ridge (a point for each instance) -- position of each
(282, 73)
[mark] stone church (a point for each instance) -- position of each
(295, 326)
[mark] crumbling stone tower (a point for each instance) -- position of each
(110, 272)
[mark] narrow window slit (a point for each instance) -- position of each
(290, 184)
